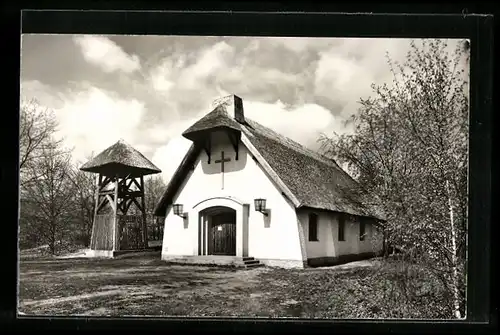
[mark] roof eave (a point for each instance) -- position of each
(201, 133)
(372, 216)
(103, 168)
(173, 184)
(267, 168)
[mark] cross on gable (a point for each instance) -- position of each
(222, 161)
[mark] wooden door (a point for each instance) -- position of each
(223, 235)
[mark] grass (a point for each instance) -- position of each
(145, 285)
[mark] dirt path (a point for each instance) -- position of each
(51, 301)
(91, 287)
(352, 265)
(147, 286)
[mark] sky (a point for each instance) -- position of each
(148, 89)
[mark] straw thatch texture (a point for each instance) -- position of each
(120, 159)
(315, 180)
(218, 118)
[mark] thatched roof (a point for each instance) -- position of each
(218, 118)
(120, 159)
(315, 180)
(311, 179)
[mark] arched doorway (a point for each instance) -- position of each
(218, 231)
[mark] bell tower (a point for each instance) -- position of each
(120, 173)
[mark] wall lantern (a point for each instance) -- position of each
(178, 210)
(260, 206)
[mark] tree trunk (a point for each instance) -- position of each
(52, 241)
(385, 246)
(83, 222)
(456, 293)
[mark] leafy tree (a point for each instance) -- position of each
(409, 145)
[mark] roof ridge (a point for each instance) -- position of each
(324, 185)
(121, 153)
(294, 145)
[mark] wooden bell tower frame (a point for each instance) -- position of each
(123, 168)
(119, 198)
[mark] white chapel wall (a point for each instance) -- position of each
(328, 244)
(274, 237)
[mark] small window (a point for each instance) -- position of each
(362, 230)
(341, 228)
(313, 227)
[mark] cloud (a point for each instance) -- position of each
(168, 157)
(257, 69)
(345, 73)
(164, 74)
(300, 45)
(190, 70)
(288, 122)
(106, 54)
(302, 124)
(169, 154)
(35, 89)
(300, 87)
(159, 80)
(93, 119)
(210, 61)
(90, 119)
(181, 86)
(371, 53)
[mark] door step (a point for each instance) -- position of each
(240, 262)
(251, 262)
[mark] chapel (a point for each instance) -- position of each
(246, 194)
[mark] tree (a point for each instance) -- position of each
(153, 189)
(84, 201)
(50, 212)
(154, 186)
(37, 125)
(410, 147)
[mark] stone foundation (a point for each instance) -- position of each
(284, 263)
(113, 253)
(235, 261)
(342, 259)
(99, 254)
(232, 261)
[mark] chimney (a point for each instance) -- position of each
(238, 109)
(232, 103)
